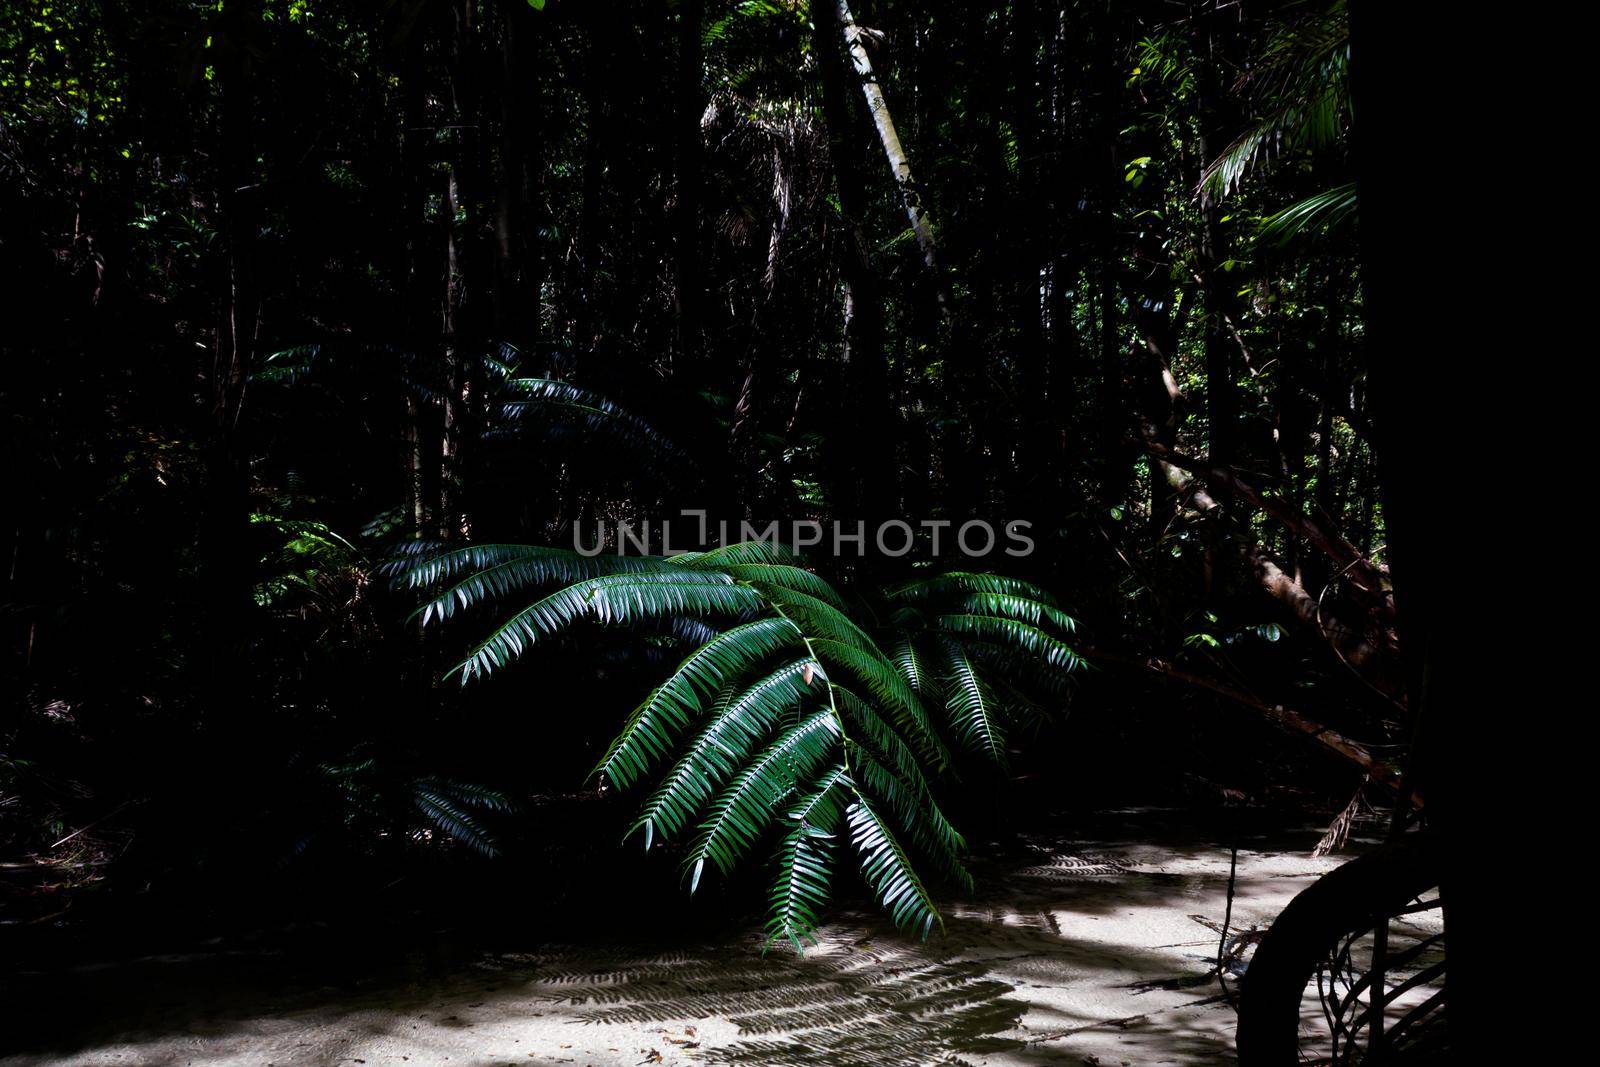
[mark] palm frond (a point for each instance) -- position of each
(888, 872)
(744, 810)
(649, 732)
(1318, 213)
(739, 723)
(800, 890)
(1300, 91)
(611, 598)
(1019, 635)
(792, 719)
(974, 714)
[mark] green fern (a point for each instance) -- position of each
(786, 720)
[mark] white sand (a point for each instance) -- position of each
(1080, 957)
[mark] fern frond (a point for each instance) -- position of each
(741, 553)
(745, 808)
(973, 713)
(518, 572)
(599, 412)
(1022, 609)
(612, 598)
(448, 813)
(732, 732)
(793, 579)
(887, 686)
(888, 872)
(963, 582)
(930, 831)
(648, 734)
(909, 663)
(1019, 635)
(800, 890)
(819, 618)
(795, 698)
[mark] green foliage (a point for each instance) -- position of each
(1316, 214)
(789, 720)
(1300, 95)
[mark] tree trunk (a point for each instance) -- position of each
(518, 262)
(688, 286)
(232, 360)
(862, 466)
(893, 150)
(1222, 403)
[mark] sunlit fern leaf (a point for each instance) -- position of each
(819, 618)
(963, 582)
(1021, 667)
(744, 810)
(1019, 635)
(929, 830)
(495, 580)
(689, 631)
(783, 684)
(739, 553)
(732, 732)
(649, 733)
(788, 578)
(800, 888)
(612, 598)
(423, 564)
(444, 802)
(884, 683)
(1020, 608)
(909, 662)
(888, 872)
(974, 714)
(869, 730)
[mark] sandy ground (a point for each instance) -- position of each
(1091, 954)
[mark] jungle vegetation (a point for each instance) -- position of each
(329, 321)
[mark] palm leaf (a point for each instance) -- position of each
(973, 713)
(611, 598)
(888, 872)
(649, 732)
(732, 732)
(800, 890)
(744, 810)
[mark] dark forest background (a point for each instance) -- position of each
(270, 270)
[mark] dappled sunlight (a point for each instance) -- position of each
(1068, 953)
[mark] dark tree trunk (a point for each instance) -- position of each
(224, 538)
(688, 286)
(519, 263)
(1033, 443)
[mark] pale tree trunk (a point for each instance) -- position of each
(899, 162)
(862, 475)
